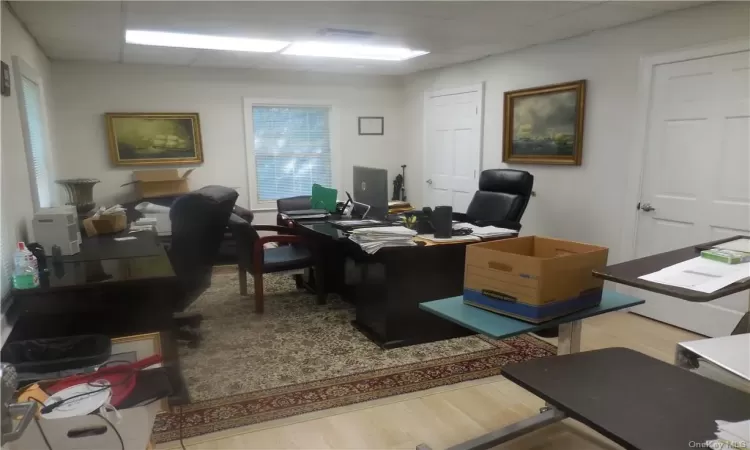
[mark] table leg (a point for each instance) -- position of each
(508, 432)
(569, 341)
(744, 325)
(569, 338)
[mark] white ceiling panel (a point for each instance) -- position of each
(89, 31)
(452, 31)
(144, 54)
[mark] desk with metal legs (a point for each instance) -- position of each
(500, 327)
(628, 273)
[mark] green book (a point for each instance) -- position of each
(725, 256)
(323, 198)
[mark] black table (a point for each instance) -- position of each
(387, 287)
(115, 288)
(627, 273)
(106, 247)
(637, 401)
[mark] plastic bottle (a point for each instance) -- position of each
(25, 268)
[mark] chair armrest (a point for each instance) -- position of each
(244, 213)
(461, 217)
(280, 238)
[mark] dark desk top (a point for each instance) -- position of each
(72, 275)
(628, 272)
(324, 228)
(104, 260)
(635, 400)
(95, 248)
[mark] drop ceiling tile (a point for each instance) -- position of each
(453, 32)
(145, 54)
(215, 58)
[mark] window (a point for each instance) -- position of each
(292, 150)
(34, 132)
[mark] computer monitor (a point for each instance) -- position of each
(371, 188)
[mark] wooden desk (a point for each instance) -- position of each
(387, 287)
(119, 294)
(627, 273)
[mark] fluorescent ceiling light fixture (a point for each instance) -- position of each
(202, 41)
(352, 51)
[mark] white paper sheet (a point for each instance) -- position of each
(489, 231)
(700, 274)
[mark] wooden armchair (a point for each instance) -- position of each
(254, 258)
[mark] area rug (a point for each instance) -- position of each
(300, 357)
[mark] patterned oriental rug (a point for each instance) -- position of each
(300, 357)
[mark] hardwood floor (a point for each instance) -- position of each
(450, 414)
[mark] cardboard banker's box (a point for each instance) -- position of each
(533, 278)
(160, 183)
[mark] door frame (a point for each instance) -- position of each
(479, 87)
(638, 150)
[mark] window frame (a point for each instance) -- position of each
(333, 129)
(21, 69)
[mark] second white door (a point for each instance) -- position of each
(696, 184)
(453, 146)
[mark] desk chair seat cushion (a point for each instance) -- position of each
(286, 257)
(503, 195)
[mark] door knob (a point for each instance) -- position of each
(429, 181)
(647, 207)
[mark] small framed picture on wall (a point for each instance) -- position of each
(371, 126)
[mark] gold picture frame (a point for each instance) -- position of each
(137, 139)
(544, 125)
(136, 347)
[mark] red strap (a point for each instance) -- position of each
(121, 377)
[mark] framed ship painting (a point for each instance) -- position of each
(154, 138)
(544, 125)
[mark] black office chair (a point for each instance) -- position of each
(199, 220)
(501, 199)
(300, 202)
(257, 260)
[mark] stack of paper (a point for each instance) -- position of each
(700, 274)
(373, 239)
(731, 435)
(485, 232)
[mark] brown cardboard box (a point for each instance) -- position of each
(105, 224)
(160, 183)
(533, 270)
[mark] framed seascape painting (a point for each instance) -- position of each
(544, 125)
(154, 138)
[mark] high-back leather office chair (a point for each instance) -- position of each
(501, 199)
(199, 220)
(300, 202)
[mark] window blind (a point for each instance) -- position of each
(292, 150)
(32, 101)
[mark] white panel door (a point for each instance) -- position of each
(453, 146)
(697, 176)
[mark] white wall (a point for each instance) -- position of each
(84, 92)
(15, 202)
(581, 203)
